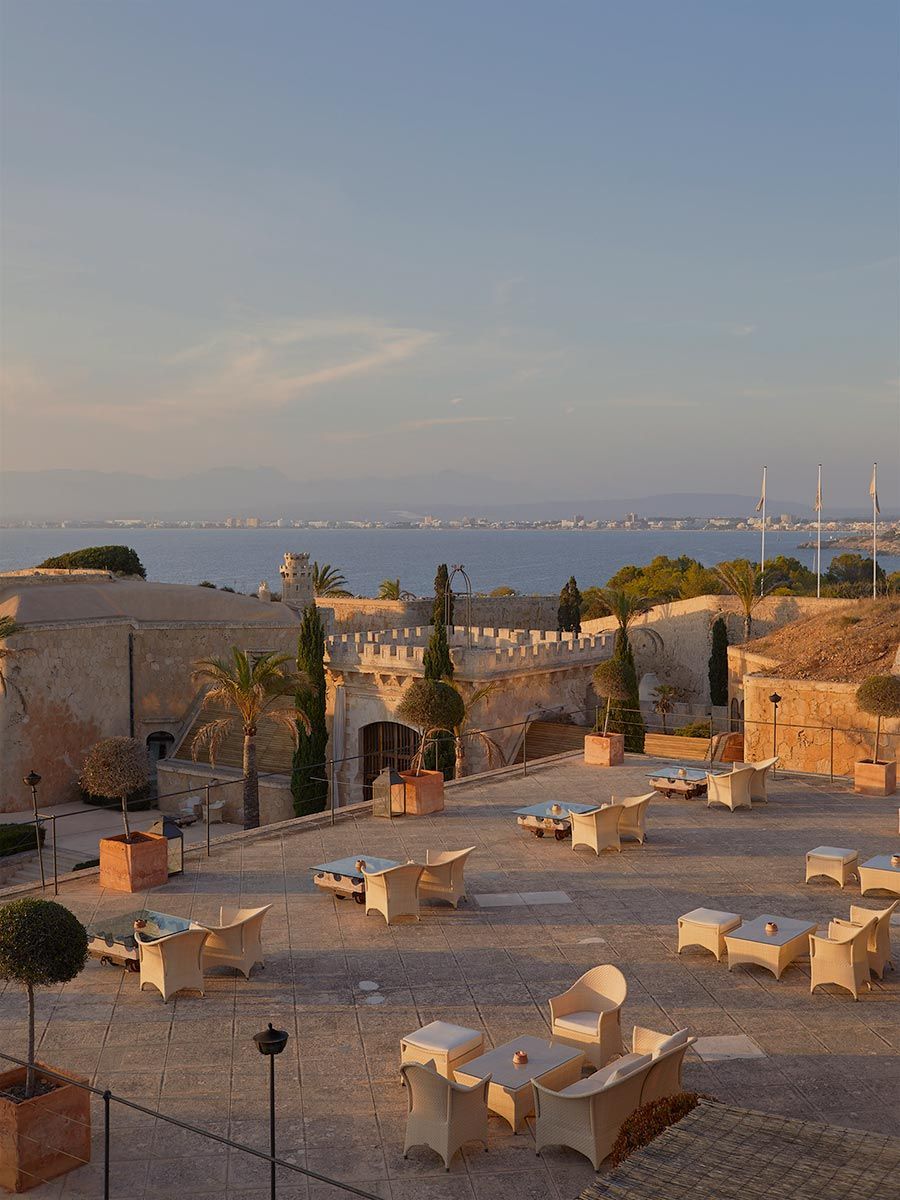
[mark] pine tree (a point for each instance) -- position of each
(718, 663)
(625, 718)
(441, 594)
(309, 776)
(568, 615)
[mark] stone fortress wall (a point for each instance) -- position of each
(360, 615)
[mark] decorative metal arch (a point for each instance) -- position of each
(459, 569)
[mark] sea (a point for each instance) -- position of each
(536, 562)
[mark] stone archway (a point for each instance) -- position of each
(159, 746)
(385, 744)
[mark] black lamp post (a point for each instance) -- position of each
(271, 1042)
(31, 780)
(775, 700)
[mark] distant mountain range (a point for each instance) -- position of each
(269, 494)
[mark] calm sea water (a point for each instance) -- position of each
(533, 561)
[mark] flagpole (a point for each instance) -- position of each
(874, 530)
(819, 535)
(762, 555)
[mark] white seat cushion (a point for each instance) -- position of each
(627, 1065)
(443, 1037)
(676, 1039)
(837, 852)
(712, 917)
(591, 1082)
(585, 1023)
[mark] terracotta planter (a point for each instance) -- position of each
(424, 792)
(133, 866)
(44, 1137)
(875, 778)
(604, 749)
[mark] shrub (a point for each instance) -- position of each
(650, 1120)
(15, 838)
(879, 696)
(139, 801)
(41, 944)
(695, 729)
(121, 560)
(88, 862)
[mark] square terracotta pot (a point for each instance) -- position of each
(424, 792)
(604, 749)
(875, 778)
(44, 1137)
(134, 866)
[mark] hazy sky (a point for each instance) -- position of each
(589, 247)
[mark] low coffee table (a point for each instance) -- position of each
(510, 1094)
(689, 782)
(540, 818)
(750, 943)
(112, 940)
(343, 876)
(878, 874)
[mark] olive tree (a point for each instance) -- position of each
(41, 944)
(433, 706)
(879, 696)
(115, 768)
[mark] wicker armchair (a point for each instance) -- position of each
(173, 963)
(841, 958)
(633, 818)
(879, 943)
(394, 892)
(588, 1014)
(587, 1115)
(236, 941)
(758, 779)
(667, 1050)
(597, 829)
(732, 790)
(443, 877)
(441, 1114)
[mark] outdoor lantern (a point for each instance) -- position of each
(389, 794)
(271, 1042)
(175, 850)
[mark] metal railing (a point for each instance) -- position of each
(109, 1099)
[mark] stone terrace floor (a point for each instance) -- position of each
(341, 1110)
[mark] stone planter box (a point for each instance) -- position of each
(133, 866)
(44, 1137)
(875, 778)
(604, 749)
(424, 792)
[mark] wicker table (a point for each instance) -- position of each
(510, 1094)
(550, 817)
(878, 874)
(775, 951)
(688, 782)
(343, 876)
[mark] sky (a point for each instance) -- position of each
(589, 248)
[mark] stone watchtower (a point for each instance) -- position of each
(296, 581)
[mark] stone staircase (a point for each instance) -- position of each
(274, 747)
(546, 738)
(19, 869)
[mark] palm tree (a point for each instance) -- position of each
(745, 580)
(256, 687)
(664, 699)
(389, 589)
(626, 607)
(8, 628)
(328, 581)
(460, 732)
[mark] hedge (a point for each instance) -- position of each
(15, 838)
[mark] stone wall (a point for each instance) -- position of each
(358, 615)
(176, 778)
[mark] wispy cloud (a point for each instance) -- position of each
(414, 426)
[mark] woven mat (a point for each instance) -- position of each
(722, 1153)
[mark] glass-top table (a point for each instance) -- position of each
(112, 938)
(344, 877)
(510, 1094)
(550, 816)
(682, 781)
(750, 943)
(879, 874)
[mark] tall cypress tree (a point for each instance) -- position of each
(308, 786)
(439, 666)
(441, 592)
(568, 615)
(625, 717)
(718, 663)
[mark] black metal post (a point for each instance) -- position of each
(31, 780)
(775, 701)
(107, 1096)
(271, 1042)
(831, 753)
(55, 868)
(272, 1121)
(525, 749)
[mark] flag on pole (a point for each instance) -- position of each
(762, 494)
(873, 488)
(818, 507)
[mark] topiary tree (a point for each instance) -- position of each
(310, 794)
(718, 663)
(879, 696)
(611, 683)
(121, 560)
(41, 944)
(433, 706)
(115, 768)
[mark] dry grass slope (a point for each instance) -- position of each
(848, 646)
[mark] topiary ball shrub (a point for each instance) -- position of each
(116, 768)
(650, 1120)
(431, 704)
(879, 696)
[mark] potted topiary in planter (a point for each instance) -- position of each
(45, 1123)
(435, 707)
(604, 749)
(879, 696)
(116, 768)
